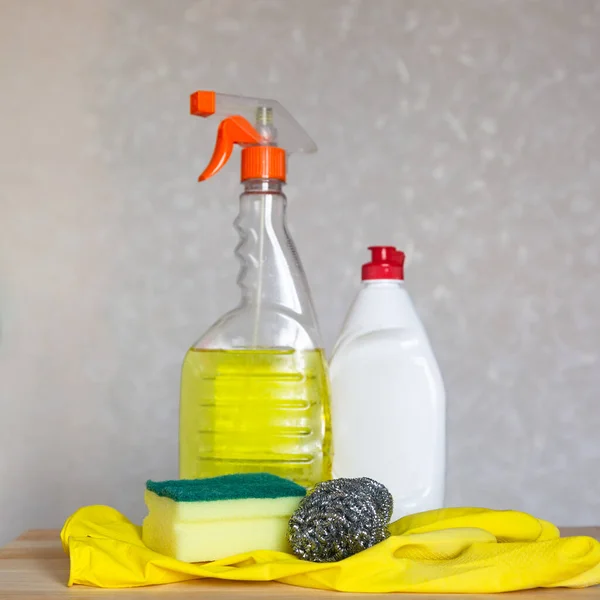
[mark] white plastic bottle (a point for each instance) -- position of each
(388, 401)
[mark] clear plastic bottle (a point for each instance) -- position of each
(255, 388)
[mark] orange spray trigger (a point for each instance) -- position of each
(232, 130)
(267, 132)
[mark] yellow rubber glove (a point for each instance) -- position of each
(455, 550)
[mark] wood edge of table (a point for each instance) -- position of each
(42, 568)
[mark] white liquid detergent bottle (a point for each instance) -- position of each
(388, 399)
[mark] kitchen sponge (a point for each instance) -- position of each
(197, 520)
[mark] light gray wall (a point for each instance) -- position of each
(465, 132)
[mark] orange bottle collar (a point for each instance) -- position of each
(263, 162)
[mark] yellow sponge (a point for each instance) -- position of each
(197, 520)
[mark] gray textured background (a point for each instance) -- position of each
(465, 132)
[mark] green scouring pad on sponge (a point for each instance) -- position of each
(197, 520)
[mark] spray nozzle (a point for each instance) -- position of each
(266, 131)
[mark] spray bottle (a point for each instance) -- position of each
(255, 388)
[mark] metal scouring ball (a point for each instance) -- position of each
(339, 518)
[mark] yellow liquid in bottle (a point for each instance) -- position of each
(253, 410)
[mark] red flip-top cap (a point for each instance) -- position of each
(386, 263)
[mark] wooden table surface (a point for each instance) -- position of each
(34, 566)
